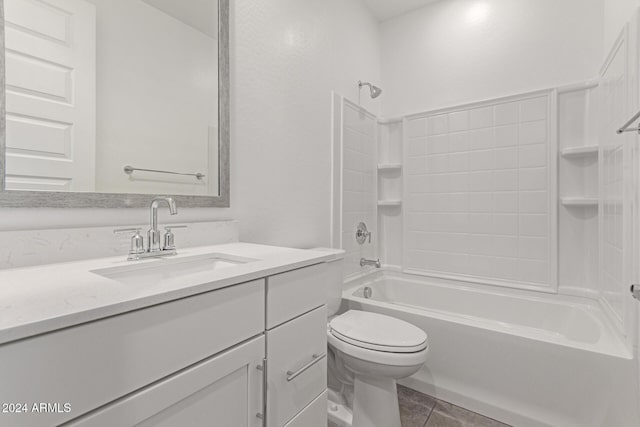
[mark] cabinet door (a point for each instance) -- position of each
(225, 390)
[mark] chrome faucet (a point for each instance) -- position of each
(154, 248)
(374, 262)
(153, 235)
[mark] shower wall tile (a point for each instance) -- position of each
(438, 125)
(481, 118)
(506, 136)
(478, 192)
(616, 203)
(533, 109)
(533, 133)
(458, 121)
(359, 184)
(417, 128)
(506, 113)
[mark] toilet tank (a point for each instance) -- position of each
(335, 278)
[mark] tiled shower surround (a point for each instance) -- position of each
(618, 168)
(479, 192)
(359, 183)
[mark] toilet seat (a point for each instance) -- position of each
(376, 356)
(377, 332)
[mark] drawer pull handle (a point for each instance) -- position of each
(316, 358)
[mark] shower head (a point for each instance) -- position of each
(375, 90)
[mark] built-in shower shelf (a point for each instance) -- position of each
(390, 166)
(587, 150)
(579, 201)
(389, 203)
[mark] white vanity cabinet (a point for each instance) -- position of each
(296, 347)
(90, 365)
(207, 359)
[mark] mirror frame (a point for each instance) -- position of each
(46, 199)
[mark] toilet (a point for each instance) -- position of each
(368, 352)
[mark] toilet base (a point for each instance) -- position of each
(339, 414)
(375, 403)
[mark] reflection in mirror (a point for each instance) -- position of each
(112, 96)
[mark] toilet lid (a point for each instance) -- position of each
(378, 332)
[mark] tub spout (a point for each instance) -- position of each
(375, 263)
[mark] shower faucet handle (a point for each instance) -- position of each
(362, 234)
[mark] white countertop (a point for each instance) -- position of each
(45, 298)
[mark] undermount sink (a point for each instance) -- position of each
(165, 269)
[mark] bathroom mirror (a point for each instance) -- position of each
(111, 102)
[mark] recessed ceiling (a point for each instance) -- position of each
(200, 14)
(387, 9)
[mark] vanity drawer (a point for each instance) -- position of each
(314, 415)
(296, 292)
(92, 364)
(297, 365)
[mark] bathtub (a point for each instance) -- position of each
(521, 357)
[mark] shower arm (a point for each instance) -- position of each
(374, 91)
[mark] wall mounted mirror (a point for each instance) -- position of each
(111, 102)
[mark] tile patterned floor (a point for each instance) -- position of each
(420, 410)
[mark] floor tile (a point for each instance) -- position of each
(415, 407)
(421, 410)
(413, 415)
(406, 394)
(447, 415)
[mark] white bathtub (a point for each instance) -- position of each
(524, 358)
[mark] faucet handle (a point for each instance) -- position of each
(137, 241)
(171, 227)
(169, 237)
(127, 230)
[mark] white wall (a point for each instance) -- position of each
(290, 55)
(456, 51)
(616, 14)
(287, 56)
